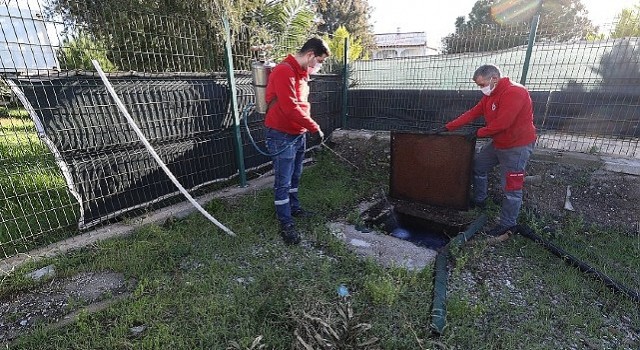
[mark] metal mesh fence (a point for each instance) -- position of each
(585, 93)
(70, 160)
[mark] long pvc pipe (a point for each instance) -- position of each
(439, 308)
(152, 151)
(582, 266)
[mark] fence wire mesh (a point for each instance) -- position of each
(73, 161)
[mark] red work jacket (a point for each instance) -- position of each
(288, 97)
(508, 113)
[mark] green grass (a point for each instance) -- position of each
(13, 113)
(35, 206)
(194, 287)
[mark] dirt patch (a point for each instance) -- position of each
(598, 197)
(56, 301)
(602, 198)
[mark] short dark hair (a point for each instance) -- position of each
(487, 71)
(317, 45)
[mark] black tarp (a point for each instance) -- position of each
(609, 114)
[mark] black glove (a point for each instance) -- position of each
(440, 130)
(471, 136)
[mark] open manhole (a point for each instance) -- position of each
(429, 185)
(423, 225)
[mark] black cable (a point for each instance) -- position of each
(614, 285)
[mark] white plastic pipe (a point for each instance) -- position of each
(152, 151)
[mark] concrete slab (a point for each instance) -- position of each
(384, 249)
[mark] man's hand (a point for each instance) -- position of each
(321, 135)
(440, 130)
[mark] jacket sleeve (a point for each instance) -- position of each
(467, 117)
(287, 101)
(511, 103)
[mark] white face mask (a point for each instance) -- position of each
(487, 89)
(315, 69)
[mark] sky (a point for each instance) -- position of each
(437, 18)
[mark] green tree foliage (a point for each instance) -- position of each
(146, 35)
(354, 15)
(620, 68)
(184, 35)
(336, 45)
(77, 53)
(628, 23)
(286, 24)
(500, 24)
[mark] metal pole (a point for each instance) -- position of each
(345, 82)
(237, 137)
(532, 39)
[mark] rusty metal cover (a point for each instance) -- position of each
(432, 169)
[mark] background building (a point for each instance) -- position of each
(399, 44)
(25, 45)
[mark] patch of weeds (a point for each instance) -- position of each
(383, 289)
(572, 225)
(461, 308)
(19, 281)
(582, 178)
(354, 218)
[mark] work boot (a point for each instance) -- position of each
(289, 234)
(301, 213)
(500, 233)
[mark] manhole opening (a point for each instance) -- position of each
(413, 222)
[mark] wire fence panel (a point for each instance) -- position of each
(86, 165)
(108, 169)
(586, 93)
(70, 159)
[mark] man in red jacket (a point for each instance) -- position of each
(508, 114)
(288, 119)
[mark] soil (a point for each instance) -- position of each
(58, 301)
(604, 199)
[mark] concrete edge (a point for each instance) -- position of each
(179, 210)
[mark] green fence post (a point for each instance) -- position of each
(527, 58)
(237, 137)
(345, 82)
